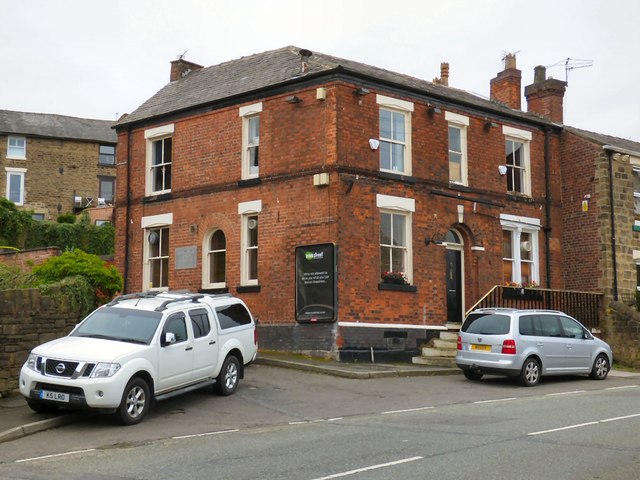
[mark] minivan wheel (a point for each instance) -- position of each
(227, 381)
(600, 368)
(530, 374)
(472, 374)
(135, 402)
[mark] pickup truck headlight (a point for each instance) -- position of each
(102, 370)
(32, 362)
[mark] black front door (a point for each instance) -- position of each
(454, 286)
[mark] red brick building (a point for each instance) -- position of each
(229, 169)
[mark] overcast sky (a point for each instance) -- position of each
(102, 58)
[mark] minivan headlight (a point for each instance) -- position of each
(32, 362)
(102, 370)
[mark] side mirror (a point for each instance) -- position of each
(168, 339)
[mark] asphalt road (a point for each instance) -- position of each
(283, 424)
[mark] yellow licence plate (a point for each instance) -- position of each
(484, 348)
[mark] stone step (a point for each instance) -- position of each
(445, 344)
(435, 361)
(438, 352)
(449, 336)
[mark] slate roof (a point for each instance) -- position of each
(280, 67)
(56, 126)
(599, 138)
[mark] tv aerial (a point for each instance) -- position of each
(572, 64)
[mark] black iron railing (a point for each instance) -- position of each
(583, 306)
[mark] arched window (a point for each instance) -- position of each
(215, 248)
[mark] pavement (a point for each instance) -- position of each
(17, 420)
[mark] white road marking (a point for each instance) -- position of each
(565, 393)
(180, 437)
(372, 467)
(496, 400)
(613, 419)
(407, 410)
(620, 388)
(75, 452)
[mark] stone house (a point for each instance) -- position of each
(415, 198)
(54, 164)
(601, 214)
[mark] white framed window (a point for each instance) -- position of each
(249, 212)
(457, 148)
(395, 135)
(106, 188)
(636, 259)
(214, 263)
(395, 235)
(156, 251)
(159, 159)
(250, 140)
(15, 184)
(517, 160)
(17, 147)
(520, 252)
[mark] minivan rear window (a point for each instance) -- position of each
(487, 324)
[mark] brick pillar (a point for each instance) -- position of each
(545, 95)
(506, 86)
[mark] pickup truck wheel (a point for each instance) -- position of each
(227, 381)
(135, 402)
(41, 407)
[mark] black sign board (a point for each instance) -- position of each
(316, 283)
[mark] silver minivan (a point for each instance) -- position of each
(529, 344)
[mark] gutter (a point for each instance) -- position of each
(127, 218)
(547, 187)
(609, 150)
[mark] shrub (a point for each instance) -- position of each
(67, 218)
(14, 224)
(105, 280)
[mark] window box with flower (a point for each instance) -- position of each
(526, 291)
(396, 281)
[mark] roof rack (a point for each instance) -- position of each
(129, 296)
(193, 298)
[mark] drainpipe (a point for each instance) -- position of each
(609, 153)
(547, 187)
(127, 219)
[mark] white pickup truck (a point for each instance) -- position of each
(139, 348)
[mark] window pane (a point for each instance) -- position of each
(218, 241)
(525, 246)
(517, 154)
(253, 160)
(106, 190)
(397, 260)
(164, 242)
(385, 229)
(385, 124)
(398, 126)
(399, 230)
(398, 157)
(506, 244)
(455, 139)
(15, 188)
(217, 267)
(252, 227)
(385, 155)
(253, 264)
(254, 130)
(455, 167)
(385, 259)
(525, 273)
(166, 150)
(507, 271)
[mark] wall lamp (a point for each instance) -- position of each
(362, 91)
(435, 239)
(489, 124)
(432, 110)
(293, 99)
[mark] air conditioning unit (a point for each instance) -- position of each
(102, 202)
(77, 201)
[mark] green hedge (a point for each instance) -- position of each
(19, 230)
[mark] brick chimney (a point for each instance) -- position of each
(545, 95)
(180, 68)
(507, 84)
(444, 75)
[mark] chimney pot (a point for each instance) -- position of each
(539, 74)
(509, 61)
(305, 54)
(444, 73)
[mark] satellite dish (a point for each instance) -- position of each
(252, 223)
(154, 238)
